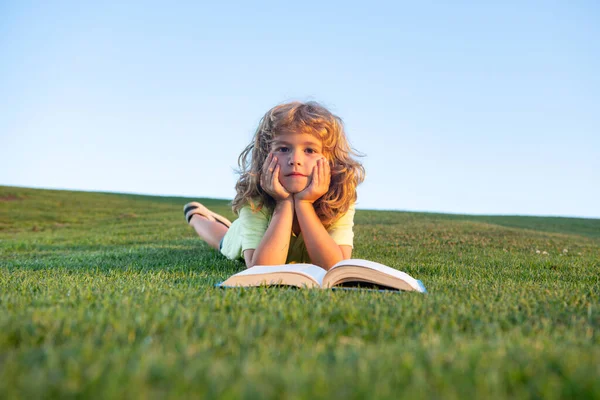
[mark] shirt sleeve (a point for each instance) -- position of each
(254, 226)
(341, 231)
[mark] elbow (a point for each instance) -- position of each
(256, 259)
(328, 264)
(335, 258)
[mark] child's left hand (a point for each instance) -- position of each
(319, 184)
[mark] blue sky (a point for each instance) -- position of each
(462, 107)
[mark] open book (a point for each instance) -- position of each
(354, 272)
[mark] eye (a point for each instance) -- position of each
(282, 149)
(310, 151)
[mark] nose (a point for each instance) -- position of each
(294, 158)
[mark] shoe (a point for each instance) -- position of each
(194, 207)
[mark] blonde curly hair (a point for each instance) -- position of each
(312, 118)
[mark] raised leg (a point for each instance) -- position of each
(210, 231)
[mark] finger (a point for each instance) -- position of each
(273, 166)
(322, 171)
(263, 181)
(267, 176)
(276, 174)
(327, 172)
(315, 177)
(269, 168)
(265, 167)
(268, 162)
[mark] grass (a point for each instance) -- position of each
(112, 296)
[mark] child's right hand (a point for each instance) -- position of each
(269, 180)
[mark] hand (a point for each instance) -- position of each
(269, 180)
(319, 184)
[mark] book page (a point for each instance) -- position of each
(384, 269)
(311, 271)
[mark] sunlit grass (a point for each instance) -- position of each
(112, 296)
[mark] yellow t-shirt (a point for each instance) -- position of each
(247, 231)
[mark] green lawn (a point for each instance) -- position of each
(112, 296)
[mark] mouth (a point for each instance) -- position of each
(296, 174)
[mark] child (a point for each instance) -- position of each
(295, 194)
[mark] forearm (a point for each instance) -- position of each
(322, 249)
(274, 245)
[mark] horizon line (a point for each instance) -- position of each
(358, 208)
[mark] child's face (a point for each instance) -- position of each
(297, 154)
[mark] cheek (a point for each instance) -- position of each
(281, 166)
(312, 163)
